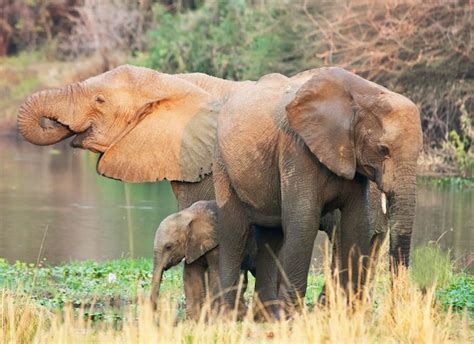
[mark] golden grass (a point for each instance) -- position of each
(396, 314)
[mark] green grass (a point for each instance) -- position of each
(458, 293)
(109, 286)
(437, 271)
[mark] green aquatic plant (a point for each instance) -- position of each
(458, 293)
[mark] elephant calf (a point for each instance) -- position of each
(191, 234)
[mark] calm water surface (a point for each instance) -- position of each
(54, 206)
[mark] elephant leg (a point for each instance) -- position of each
(233, 230)
(355, 240)
(332, 227)
(269, 242)
(212, 280)
(375, 245)
(301, 215)
(194, 289)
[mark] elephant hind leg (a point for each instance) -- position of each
(194, 289)
(269, 242)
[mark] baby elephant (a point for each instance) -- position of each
(189, 234)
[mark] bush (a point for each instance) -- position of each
(32, 24)
(420, 49)
(228, 39)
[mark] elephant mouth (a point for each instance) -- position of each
(47, 123)
(83, 140)
(80, 138)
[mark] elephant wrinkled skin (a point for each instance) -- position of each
(147, 126)
(290, 150)
(191, 235)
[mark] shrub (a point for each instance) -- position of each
(422, 49)
(234, 40)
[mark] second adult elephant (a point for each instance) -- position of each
(146, 126)
(291, 150)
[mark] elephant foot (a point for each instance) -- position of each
(229, 312)
(269, 311)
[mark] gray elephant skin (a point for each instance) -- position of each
(290, 150)
(147, 126)
(191, 234)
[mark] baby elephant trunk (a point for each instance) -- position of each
(156, 282)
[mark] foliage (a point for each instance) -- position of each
(403, 314)
(422, 49)
(103, 287)
(104, 290)
(433, 267)
(229, 39)
(30, 24)
(458, 293)
(418, 48)
(461, 146)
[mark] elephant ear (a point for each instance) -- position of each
(322, 113)
(173, 138)
(202, 235)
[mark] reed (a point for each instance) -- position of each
(396, 311)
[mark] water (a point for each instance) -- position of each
(54, 207)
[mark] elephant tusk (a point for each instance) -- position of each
(383, 202)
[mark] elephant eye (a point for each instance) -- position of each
(168, 247)
(383, 150)
(100, 99)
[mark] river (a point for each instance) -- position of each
(54, 207)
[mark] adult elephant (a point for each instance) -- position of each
(147, 126)
(291, 150)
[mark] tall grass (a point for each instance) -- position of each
(395, 311)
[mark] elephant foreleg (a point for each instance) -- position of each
(233, 230)
(300, 218)
(355, 240)
(194, 289)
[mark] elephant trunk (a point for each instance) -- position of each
(402, 215)
(48, 104)
(156, 283)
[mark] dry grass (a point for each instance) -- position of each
(404, 315)
(395, 313)
(420, 48)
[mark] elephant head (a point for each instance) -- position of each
(146, 125)
(356, 126)
(188, 235)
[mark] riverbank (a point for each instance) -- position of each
(107, 302)
(108, 287)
